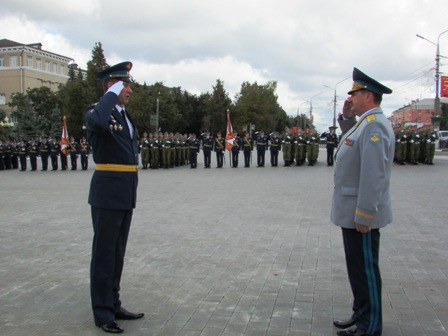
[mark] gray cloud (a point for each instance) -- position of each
(303, 45)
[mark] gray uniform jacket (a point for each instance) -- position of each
(362, 172)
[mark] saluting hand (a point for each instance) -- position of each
(347, 111)
(116, 88)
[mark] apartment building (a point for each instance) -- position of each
(418, 114)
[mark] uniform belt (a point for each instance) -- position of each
(122, 168)
(330, 143)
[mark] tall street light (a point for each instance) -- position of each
(157, 112)
(437, 99)
(335, 100)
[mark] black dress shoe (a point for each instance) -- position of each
(123, 314)
(112, 328)
(343, 324)
(356, 332)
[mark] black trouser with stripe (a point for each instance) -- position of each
(111, 230)
(361, 255)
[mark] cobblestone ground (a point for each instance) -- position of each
(220, 252)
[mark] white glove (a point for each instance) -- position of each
(116, 88)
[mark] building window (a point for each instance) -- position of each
(29, 62)
(2, 99)
(62, 68)
(13, 61)
(2, 62)
(47, 66)
(39, 64)
(55, 68)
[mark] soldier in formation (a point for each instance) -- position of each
(415, 147)
(145, 150)
(275, 147)
(219, 147)
(236, 147)
(193, 146)
(262, 145)
(300, 148)
(287, 147)
(248, 146)
(207, 147)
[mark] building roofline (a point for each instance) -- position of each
(8, 44)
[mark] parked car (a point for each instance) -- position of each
(443, 139)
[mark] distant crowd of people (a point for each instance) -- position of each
(15, 155)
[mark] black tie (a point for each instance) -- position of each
(123, 114)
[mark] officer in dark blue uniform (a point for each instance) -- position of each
(220, 148)
(193, 145)
(113, 192)
(262, 145)
(332, 142)
(248, 146)
(207, 146)
(276, 145)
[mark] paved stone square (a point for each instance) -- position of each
(246, 251)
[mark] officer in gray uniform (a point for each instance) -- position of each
(362, 200)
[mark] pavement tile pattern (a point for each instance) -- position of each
(220, 252)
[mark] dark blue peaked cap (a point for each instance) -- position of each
(363, 82)
(118, 71)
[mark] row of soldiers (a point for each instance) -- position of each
(415, 147)
(168, 150)
(14, 155)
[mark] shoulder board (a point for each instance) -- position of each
(371, 118)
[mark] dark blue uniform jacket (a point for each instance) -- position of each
(111, 144)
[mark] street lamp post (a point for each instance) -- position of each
(157, 112)
(335, 100)
(437, 99)
(311, 106)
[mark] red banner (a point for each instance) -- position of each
(64, 137)
(444, 86)
(230, 136)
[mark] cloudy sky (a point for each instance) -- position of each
(303, 45)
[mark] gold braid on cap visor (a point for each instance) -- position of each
(357, 87)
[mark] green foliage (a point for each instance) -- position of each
(34, 111)
(40, 111)
(94, 66)
(258, 105)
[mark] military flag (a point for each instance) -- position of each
(230, 136)
(64, 137)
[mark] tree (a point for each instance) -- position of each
(34, 111)
(25, 115)
(218, 104)
(258, 105)
(94, 67)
